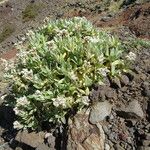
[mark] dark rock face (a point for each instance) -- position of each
(116, 83)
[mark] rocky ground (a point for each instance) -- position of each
(119, 118)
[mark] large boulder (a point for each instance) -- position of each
(84, 136)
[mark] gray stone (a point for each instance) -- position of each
(51, 142)
(146, 142)
(148, 136)
(141, 1)
(107, 147)
(132, 111)
(100, 111)
(18, 148)
(32, 139)
(144, 148)
(101, 135)
(116, 82)
(105, 19)
(147, 93)
(42, 147)
(106, 130)
(145, 85)
(124, 80)
(79, 147)
(146, 90)
(118, 147)
(5, 146)
(110, 93)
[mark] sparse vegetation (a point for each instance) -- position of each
(6, 32)
(115, 6)
(31, 11)
(137, 43)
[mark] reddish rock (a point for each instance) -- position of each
(93, 142)
(9, 54)
(84, 136)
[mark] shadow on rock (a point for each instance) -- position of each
(62, 139)
(7, 118)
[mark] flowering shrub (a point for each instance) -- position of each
(55, 68)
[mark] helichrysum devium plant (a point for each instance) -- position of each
(56, 67)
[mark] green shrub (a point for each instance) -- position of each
(56, 68)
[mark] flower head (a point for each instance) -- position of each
(3, 97)
(22, 101)
(59, 101)
(17, 125)
(27, 74)
(73, 76)
(8, 65)
(103, 71)
(16, 110)
(101, 58)
(91, 39)
(131, 56)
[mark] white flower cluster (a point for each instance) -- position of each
(17, 125)
(73, 76)
(3, 97)
(18, 111)
(62, 32)
(59, 101)
(22, 101)
(7, 64)
(101, 58)
(103, 71)
(4, 62)
(27, 74)
(131, 56)
(51, 44)
(87, 63)
(22, 56)
(39, 95)
(91, 39)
